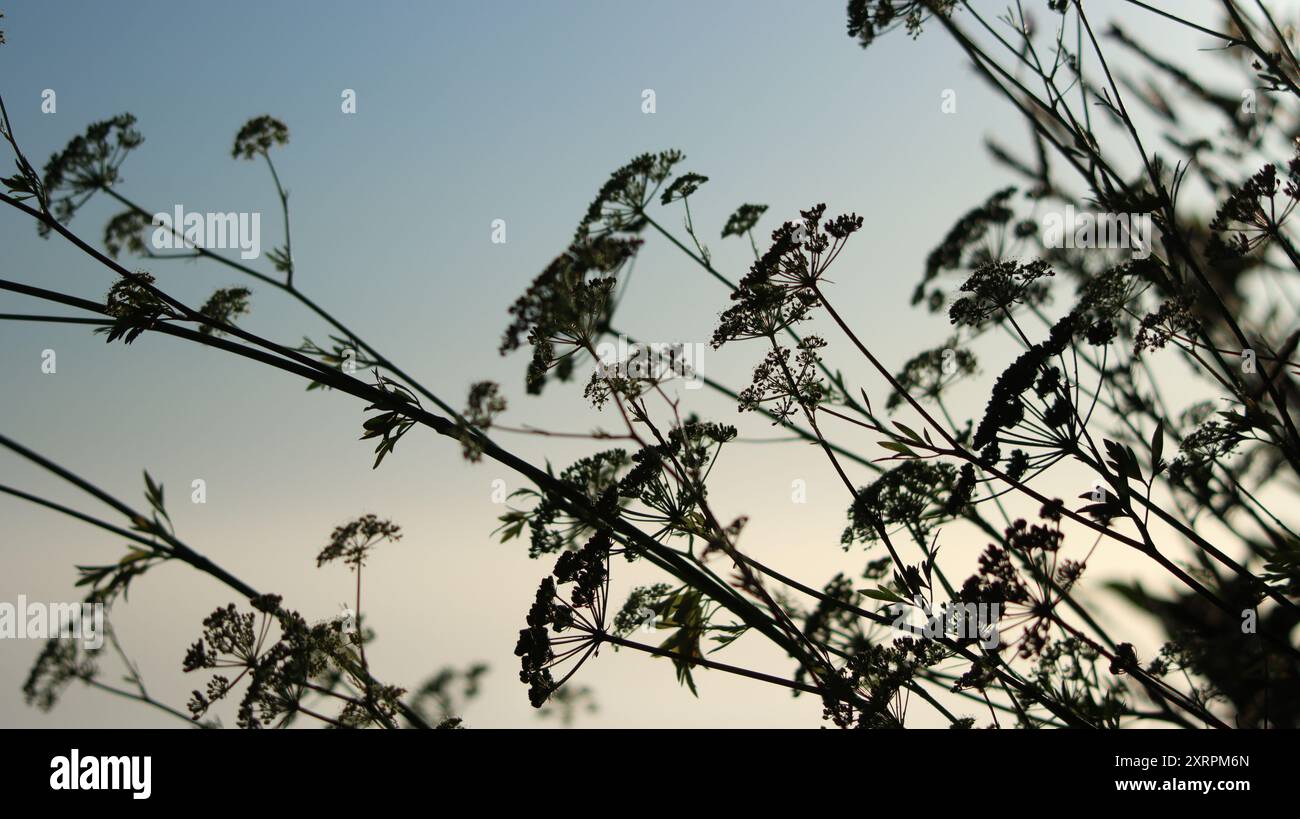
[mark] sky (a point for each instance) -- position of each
(465, 113)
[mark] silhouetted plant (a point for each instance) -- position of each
(1086, 389)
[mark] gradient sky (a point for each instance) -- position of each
(466, 113)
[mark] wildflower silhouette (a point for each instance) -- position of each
(1201, 492)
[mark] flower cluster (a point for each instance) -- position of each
(1022, 575)
(223, 307)
(567, 307)
(787, 386)
(1068, 669)
(865, 692)
(258, 136)
(59, 664)
(1251, 217)
(354, 541)
(995, 286)
(134, 308)
(868, 19)
(619, 206)
(484, 404)
(551, 526)
(91, 162)
(279, 674)
(125, 231)
(570, 304)
(964, 236)
(559, 629)
(743, 220)
(1006, 409)
(643, 599)
(682, 187)
(668, 478)
(927, 374)
(1103, 299)
(1173, 319)
(1202, 449)
(778, 290)
(906, 495)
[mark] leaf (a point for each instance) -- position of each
(133, 555)
(19, 185)
(385, 447)
(894, 446)
(684, 609)
(882, 594)
(153, 492)
(908, 431)
(1158, 443)
(92, 574)
(280, 260)
(1131, 464)
(378, 424)
(512, 523)
(732, 633)
(1123, 461)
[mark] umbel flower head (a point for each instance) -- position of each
(868, 19)
(926, 375)
(484, 404)
(567, 306)
(1006, 408)
(672, 497)
(570, 303)
(1104, 298)
(91, 162)
(354, 541)
(558, 629)
(682, 187)
(58, 665)
(967, 243)
(551, 527)
(994, 287)
(134, 308)
(778, 290)
(278, 673)
(1027, 596)
(1171, 320)
(1251, 217)
(125, 231)
(258, 136)
(619, 206)
(743, 220)
(904, 496)
(223, 307)
(786, 385)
